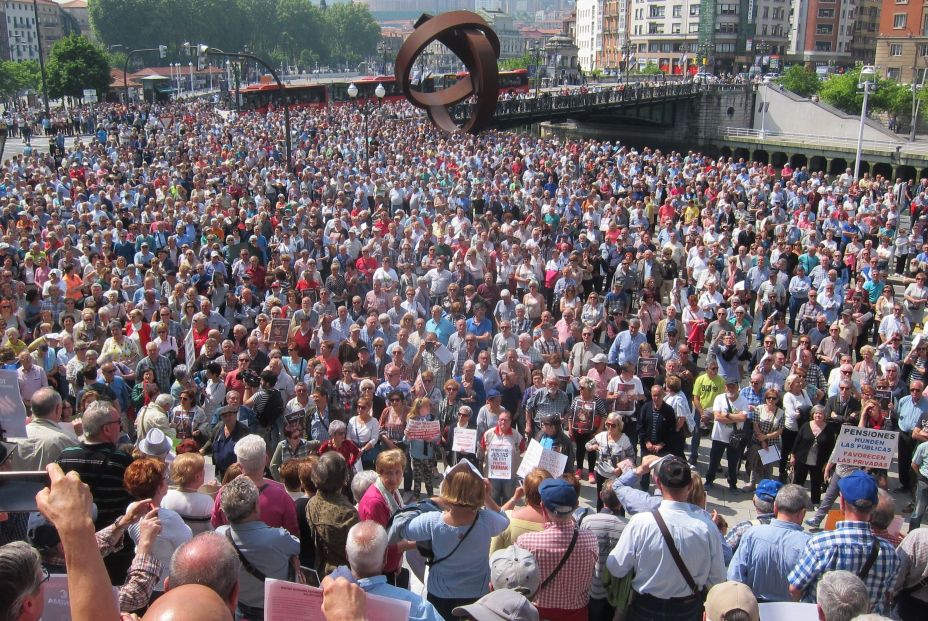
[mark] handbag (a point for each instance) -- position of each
(563, 561)
(738, 437)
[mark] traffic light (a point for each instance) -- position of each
(162, 51)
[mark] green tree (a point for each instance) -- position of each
(74, 64)
(524, 61)
(886, 95)
(649, 69)
(800, 80)
(301, 24)
(18, 76)
(351, 33)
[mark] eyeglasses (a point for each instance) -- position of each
(771, 398)
(610, 425)
(108, 371)
(367, 388)
(396, 400)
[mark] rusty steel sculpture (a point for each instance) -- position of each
(472, 40)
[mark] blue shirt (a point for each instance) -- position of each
(442, 328)
(625, 347)
(479, 329)
(910, 414)
(466, 574)
(765, 556)
(847, 547)
(268, 549)
(419, 609)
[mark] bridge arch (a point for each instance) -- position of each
(712, 151)
(837, 166)
(725, 152)
(818, 163)
(864, 167)
(905, 172)
(740, 153)
(882, 168)
(778, 159)
(760, 155)
(798, 160)
(923, 174)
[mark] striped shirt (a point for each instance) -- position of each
(607, 528)
(101, 466)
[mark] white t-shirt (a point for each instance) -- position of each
(722, 403)
(632, 387)
(193, 507)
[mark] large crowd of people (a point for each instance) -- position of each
(236, 370)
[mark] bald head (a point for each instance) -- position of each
(193, 602)
(209, 560)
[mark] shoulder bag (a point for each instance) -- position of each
(687, 576)
(436, 561)
(563, 561)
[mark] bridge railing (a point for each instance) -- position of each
(733, 133)
(550, 104)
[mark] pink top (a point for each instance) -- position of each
(373, 506)
(275, 508)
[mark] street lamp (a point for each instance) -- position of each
(536, 50)
(365, 111)
(626, 57)
(867, 83)
(382, 50)
(38, 39)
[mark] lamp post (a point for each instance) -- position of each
(190, 64)
(867, 83)
(626, 57)
(915, 104)
(536, 50)
(382, 50)
(38, 39)
(214, 51)
(365, 110)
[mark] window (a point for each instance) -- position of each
(923, 50)
(895, 49)
(899, 21)
(902, 1)
(655, 28)
(893, 73)
(678, 10)
(728, 9)
(826, 13)
(824, 29)
(656, 12)
(726, 28)
(694, 10)
(823, 46)
(694, 28)
(675, 29)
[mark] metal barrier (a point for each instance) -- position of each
(798, 138)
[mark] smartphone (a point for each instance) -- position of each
(310, 576)
(18, 490)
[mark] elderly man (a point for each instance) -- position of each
(912, 413)
(208, 559)
(366, 550)
(768, 551)
(852, 546)
(625, 346)
(44, 439)
(566, 555)
(583, 353)
(22, 594)
(550, 400)
(272, 552)
(161, 365)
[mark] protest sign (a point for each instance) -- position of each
(280, 329)
(647, 367)
(58, 599)
(865, 448)
(499, 461)
(537, 457)
(289, 601)
(12, 408)
(422, 429)
(465, 441)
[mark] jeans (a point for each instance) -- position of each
(786, 449)
(921, 503)
(794, 305)
(649, 608)
(694, 442)
(502, 490)
(815, 475)
(906, 449)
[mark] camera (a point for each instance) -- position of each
(250, 378)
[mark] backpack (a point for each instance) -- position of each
(396, 526)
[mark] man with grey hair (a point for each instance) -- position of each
(208, 559)
(45, 440)
(841, 596)
(22, 582)
(366, 550)
(155, 416)
(767, 552)
(277, 507)
(264, 551)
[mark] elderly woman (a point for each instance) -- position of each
(293, 446)
(611, 447)
(584, 418)
(188, 473)
(380, 502)
(767, 419)
(338, 441)
(502, 446)
(188, 419)
(460, 535)
(272, 551)
(364, 432)
(329, 513)
(527, 519)
(146, 479)
(811, 451)
(795, 402)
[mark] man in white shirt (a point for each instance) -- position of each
(730, 411)
(664, 589)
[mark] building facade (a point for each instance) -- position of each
(902, 46)
(589, 32)
(664, 34)
(738, 36)
(510, 41)
(615, 42)
(866, 29)
(822, 32)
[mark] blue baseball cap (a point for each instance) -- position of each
(767, 490)
(558, 496)
(859, 489)
(493, 393)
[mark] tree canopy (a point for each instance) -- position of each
(75, 64)
(291, 31)
(886, 96)
(18, 76)
(800, 80)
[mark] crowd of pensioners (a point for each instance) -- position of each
(327, 371)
